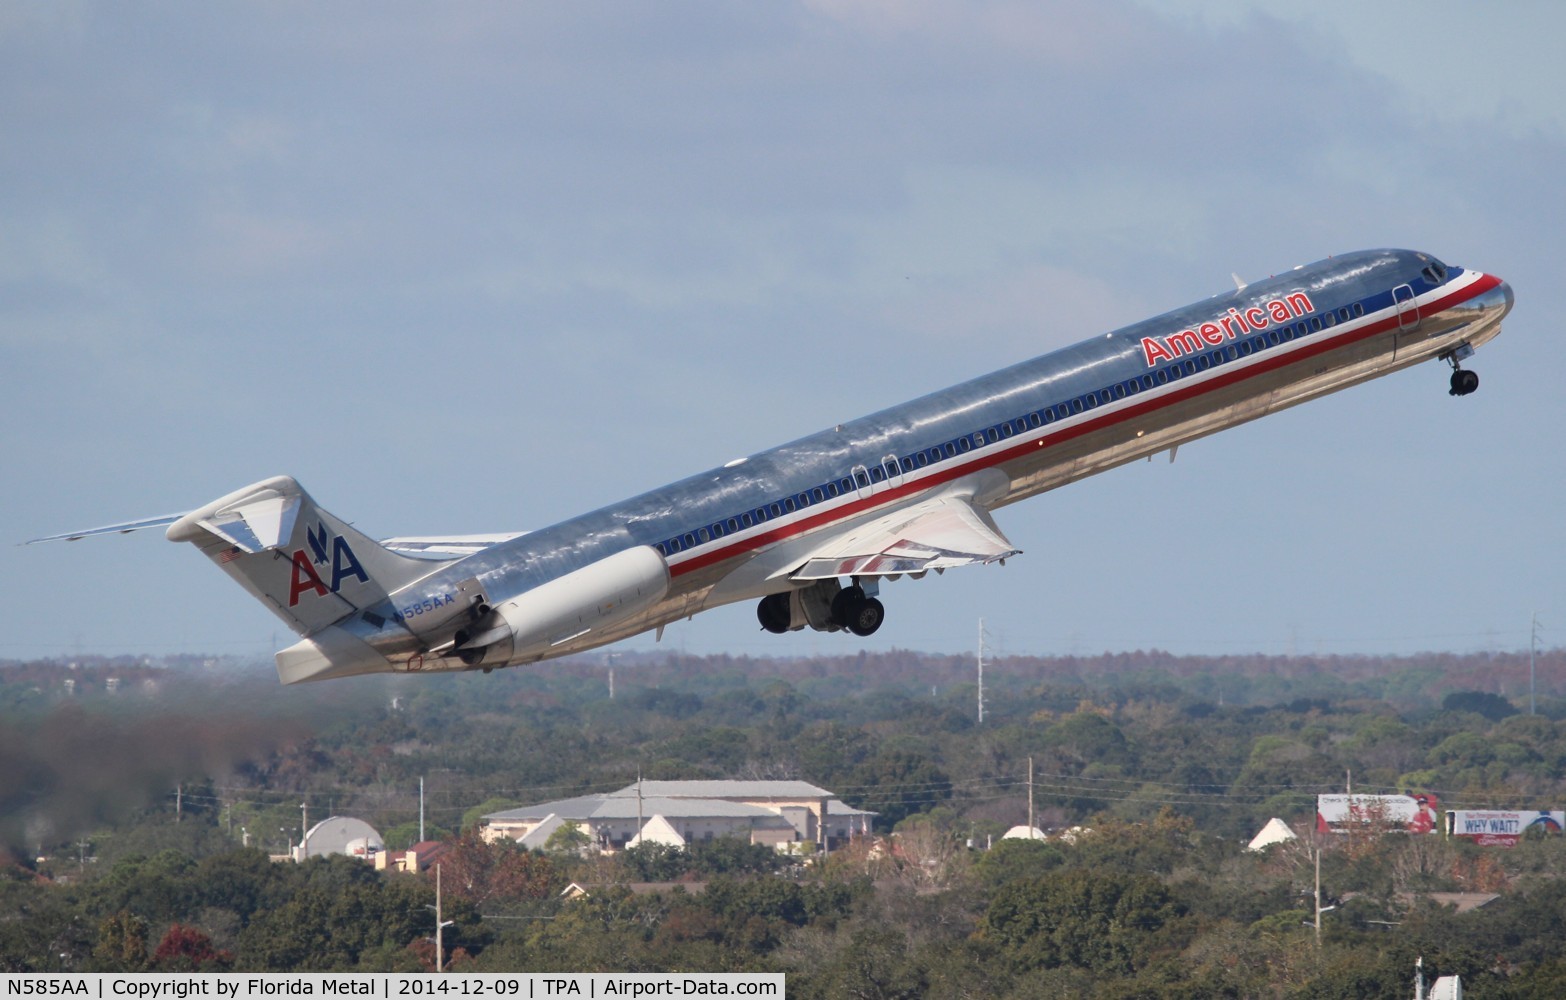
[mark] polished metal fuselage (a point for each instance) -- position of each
(1030, 428)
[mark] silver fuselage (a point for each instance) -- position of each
(733, 533)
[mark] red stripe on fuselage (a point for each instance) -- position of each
(1032, 442)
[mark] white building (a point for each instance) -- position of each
(777, 813)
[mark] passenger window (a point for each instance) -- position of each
(674, 544)
(963, 444)
(804, 499)
(1162, 376)
(831, 489)
(817, 494)
(1147, 381)
(921, 461)
(1330, 319)
(877, 474)
(1035, 420)
(1359, 309)
(778, 511)
(745, 519)
(788, 504)
(717, 530)
(704, 536)
(846, 484)
(1315, 324)
(689, 540)
(1190, 369)
(1202, 363)
(1120, 392)
(862, 479)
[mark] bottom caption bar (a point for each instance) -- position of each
(390, 986)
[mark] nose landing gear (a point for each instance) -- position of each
(1463, 380)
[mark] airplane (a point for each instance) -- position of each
(809, 530)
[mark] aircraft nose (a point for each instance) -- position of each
(1506, 290)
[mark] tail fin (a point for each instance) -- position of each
(309, 567)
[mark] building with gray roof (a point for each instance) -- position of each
(776, 813)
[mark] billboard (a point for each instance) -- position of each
(1405, 813)
(1501, 827)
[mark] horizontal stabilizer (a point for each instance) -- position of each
(123, 528)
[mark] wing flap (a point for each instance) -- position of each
(937, 534)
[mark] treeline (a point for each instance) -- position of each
(1128, 910)
(1172, 768)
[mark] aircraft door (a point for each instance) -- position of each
(1407, 319)
(862, 484)
(894, 471)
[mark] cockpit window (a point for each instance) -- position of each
(1434, 272)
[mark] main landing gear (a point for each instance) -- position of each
(856, 612)
(1463, 380)
(826, 606)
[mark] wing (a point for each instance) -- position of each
(935, 534)
(424, 546)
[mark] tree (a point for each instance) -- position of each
(568, 838)
(650, 861)
(898, 783)
(1098, 919)
(478, 871)
(186, 949)
(122, 943)
(1491, 706)
(733, 855)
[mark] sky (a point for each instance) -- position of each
(478, 267)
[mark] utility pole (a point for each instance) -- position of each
(981, 671)
(304, 830)
(1031, 827)
(1533, 650)
(440, 927)
(1316, 838)
(421, 808)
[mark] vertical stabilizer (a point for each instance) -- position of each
(311, 568)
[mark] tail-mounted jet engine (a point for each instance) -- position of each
(596, 597)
